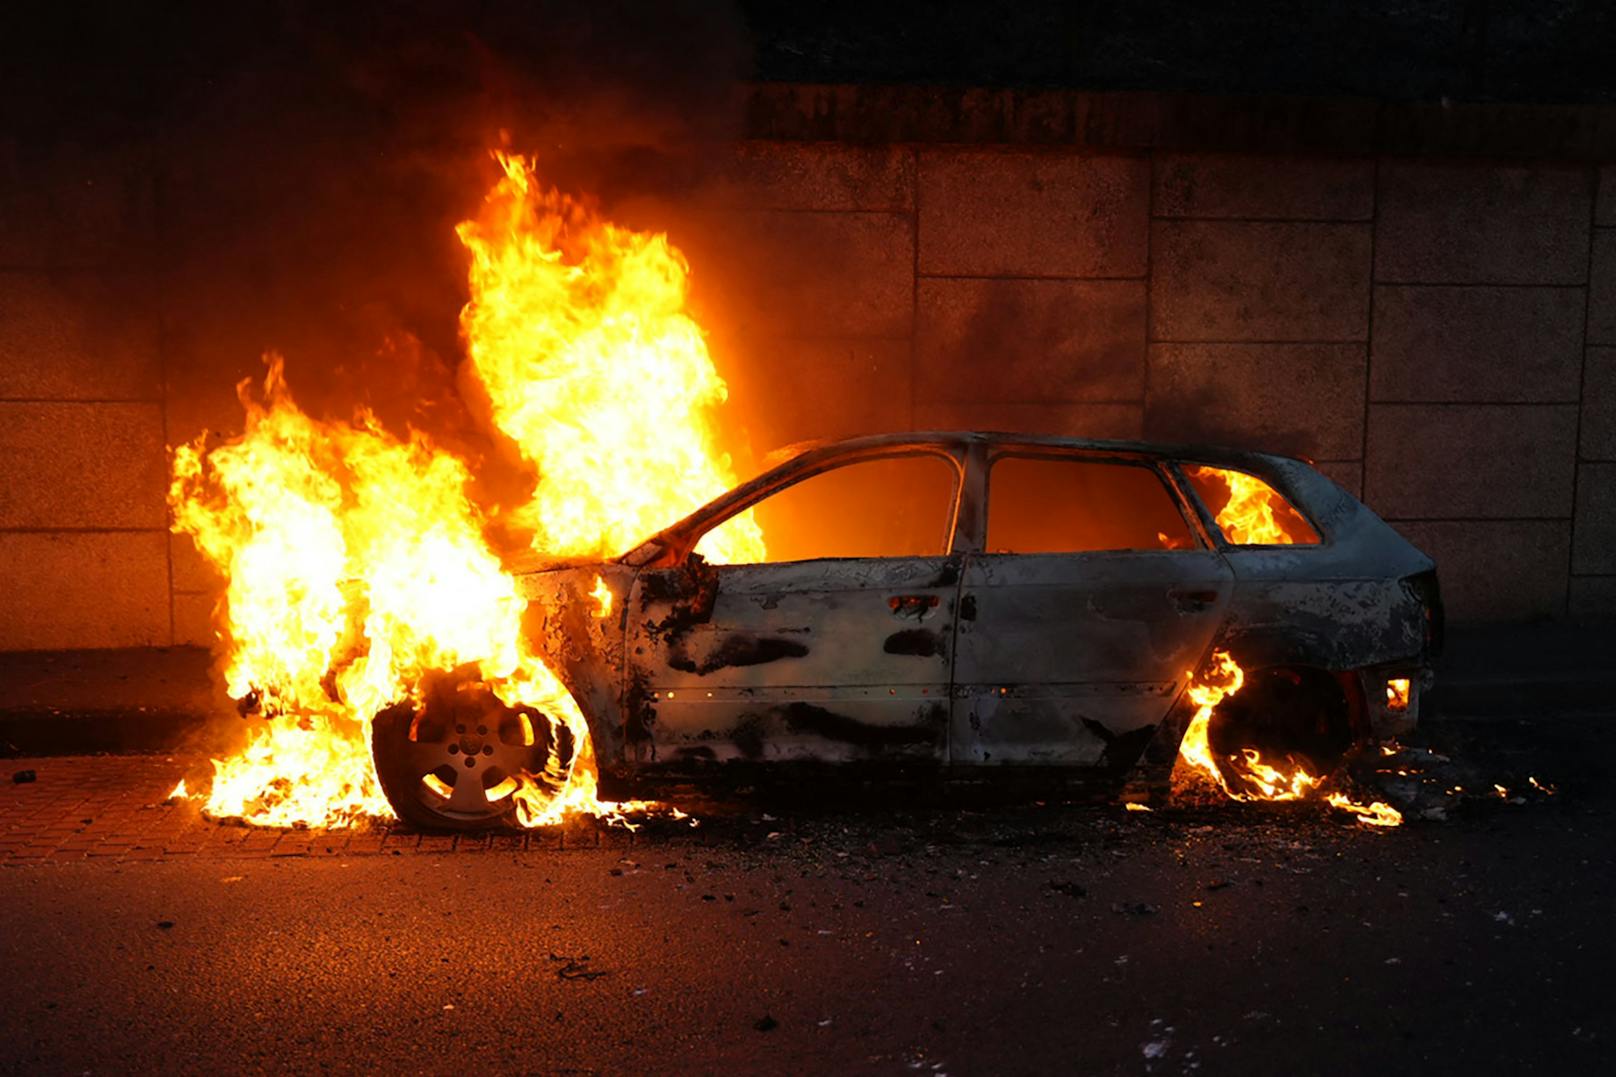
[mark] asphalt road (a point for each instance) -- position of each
(1024, 939)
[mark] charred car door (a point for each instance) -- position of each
(836, 648)
(1095, 595)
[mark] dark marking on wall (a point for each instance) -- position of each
(921, 642)
(948, 575)
(736, 650)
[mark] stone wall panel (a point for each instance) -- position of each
(789, 274)
(1238, 280)
(1497, 570)
(67, 590)
(1599, 405)
(1461, 223)
(1602, 288)
(1298, 399)
(1123, 422)
(812, 176)
(77, 336)
(82, 466)
(1470, 461)
(1264, 188)
(1490, 345)
(1030, 341)
(984, 213)
(789, 390)
(1594, 546)
(76, 209)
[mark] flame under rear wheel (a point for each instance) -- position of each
(444, 768)
(1296, 714)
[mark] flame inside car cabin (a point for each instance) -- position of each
(356, 561)
(1246, 775)
(1248, 510)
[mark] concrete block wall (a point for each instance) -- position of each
(1440, 335)
(1438, 332)
(83, 518)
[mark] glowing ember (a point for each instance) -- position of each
(1375, 814)
(603, 598)
(1397, 694)
(356, 559)
(1258, 778)
(1248, 510)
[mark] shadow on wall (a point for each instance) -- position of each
(1206, 420)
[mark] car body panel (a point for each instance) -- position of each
(837, 660)
(1064, 660)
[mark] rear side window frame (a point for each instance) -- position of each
(1188, 510)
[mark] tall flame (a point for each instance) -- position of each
(356, 559)
(577, 331)
(1259, 779)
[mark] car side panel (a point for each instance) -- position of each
(839, 661)
(583, 646)
(1074, 659)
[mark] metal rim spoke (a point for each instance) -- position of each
(467, 794)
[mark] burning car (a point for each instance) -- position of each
(959, 604)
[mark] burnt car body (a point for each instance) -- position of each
(983, 653)
(966, 605)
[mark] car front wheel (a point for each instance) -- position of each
(455, 761)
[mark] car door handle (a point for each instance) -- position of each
(1191, 599)
(912, 605)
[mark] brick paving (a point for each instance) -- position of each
(115, 808)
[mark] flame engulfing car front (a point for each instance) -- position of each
(956, 604)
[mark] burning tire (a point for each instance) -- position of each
(1300, 716)
(456, 762)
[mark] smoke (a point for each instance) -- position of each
(310, 161)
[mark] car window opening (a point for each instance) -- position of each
(891, 506)
(1248, 511)
(1070, 505)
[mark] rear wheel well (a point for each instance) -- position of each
(1305, 714)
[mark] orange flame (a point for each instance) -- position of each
(1248, 510)
(603, 598)
(577, 331)
(1259, 779)
(356, 560)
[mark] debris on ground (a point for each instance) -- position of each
(576, 968)
(23, 777)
